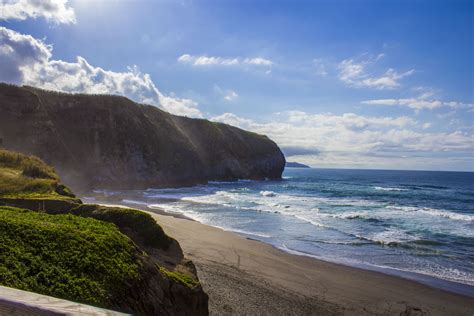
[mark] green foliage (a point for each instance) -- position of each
(179, 277)
(140, 226)
(19, 185)
(33, 170)
(30, 166)
(67, 256)
(61, 189)
(24, 176)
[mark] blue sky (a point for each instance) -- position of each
(351, 84)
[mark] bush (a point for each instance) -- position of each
(178, 277)
(34, 170)
(66, 256)
(21, 186)
(24, 176)
(61, 189)
(29, 165)
(140, 226)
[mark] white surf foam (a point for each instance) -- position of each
(390, 189)
(267, 193)
(434, 212)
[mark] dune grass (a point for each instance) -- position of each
(24, 176)
(30, 166)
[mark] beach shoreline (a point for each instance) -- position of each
(235, 270)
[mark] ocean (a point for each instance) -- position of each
(415, 224)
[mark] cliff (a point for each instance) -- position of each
(98, 141)
(116, 258)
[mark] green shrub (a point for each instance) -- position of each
(66, 256)
(24, 176)
(29, 165)
(34, 170)
(140, 226)
(179, 277)
(22, 185)
(61, 189)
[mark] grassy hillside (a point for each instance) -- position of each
(118, 258)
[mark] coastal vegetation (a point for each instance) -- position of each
(66, 256)
(118, 258)
(179, 277)
(140, 226)
(24, 176)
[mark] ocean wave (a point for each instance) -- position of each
(134, 202)
(267, 193)
(245, 232)
(106, 192)
(232, 182)
(424, 186)
(169, 196)
(310, 221)
(350, 215)
(434, 212)
(387, 237)
(390, 189)
(434, 271)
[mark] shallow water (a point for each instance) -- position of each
(405, 221)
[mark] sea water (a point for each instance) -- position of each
(418, 224)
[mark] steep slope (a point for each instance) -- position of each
(97, 141)
(110, 257)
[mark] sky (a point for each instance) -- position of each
(336, 84)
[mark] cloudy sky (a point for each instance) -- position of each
(339, 84)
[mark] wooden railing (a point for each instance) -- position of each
(21, 303)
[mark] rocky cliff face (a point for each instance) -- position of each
(97, 141)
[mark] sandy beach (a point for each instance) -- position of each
(248, 277)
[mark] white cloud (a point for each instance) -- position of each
(231, 95)
(421, 102)
(227, 95)
(220, 61)
(18, 51)
(258, 61)
(55, 11)
(28, 61)
(353, 140)
(320, 67)
(355, 74)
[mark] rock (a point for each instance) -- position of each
(98, 141)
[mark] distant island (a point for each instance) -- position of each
(290, 164)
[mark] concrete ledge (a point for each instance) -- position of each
(22, 303)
